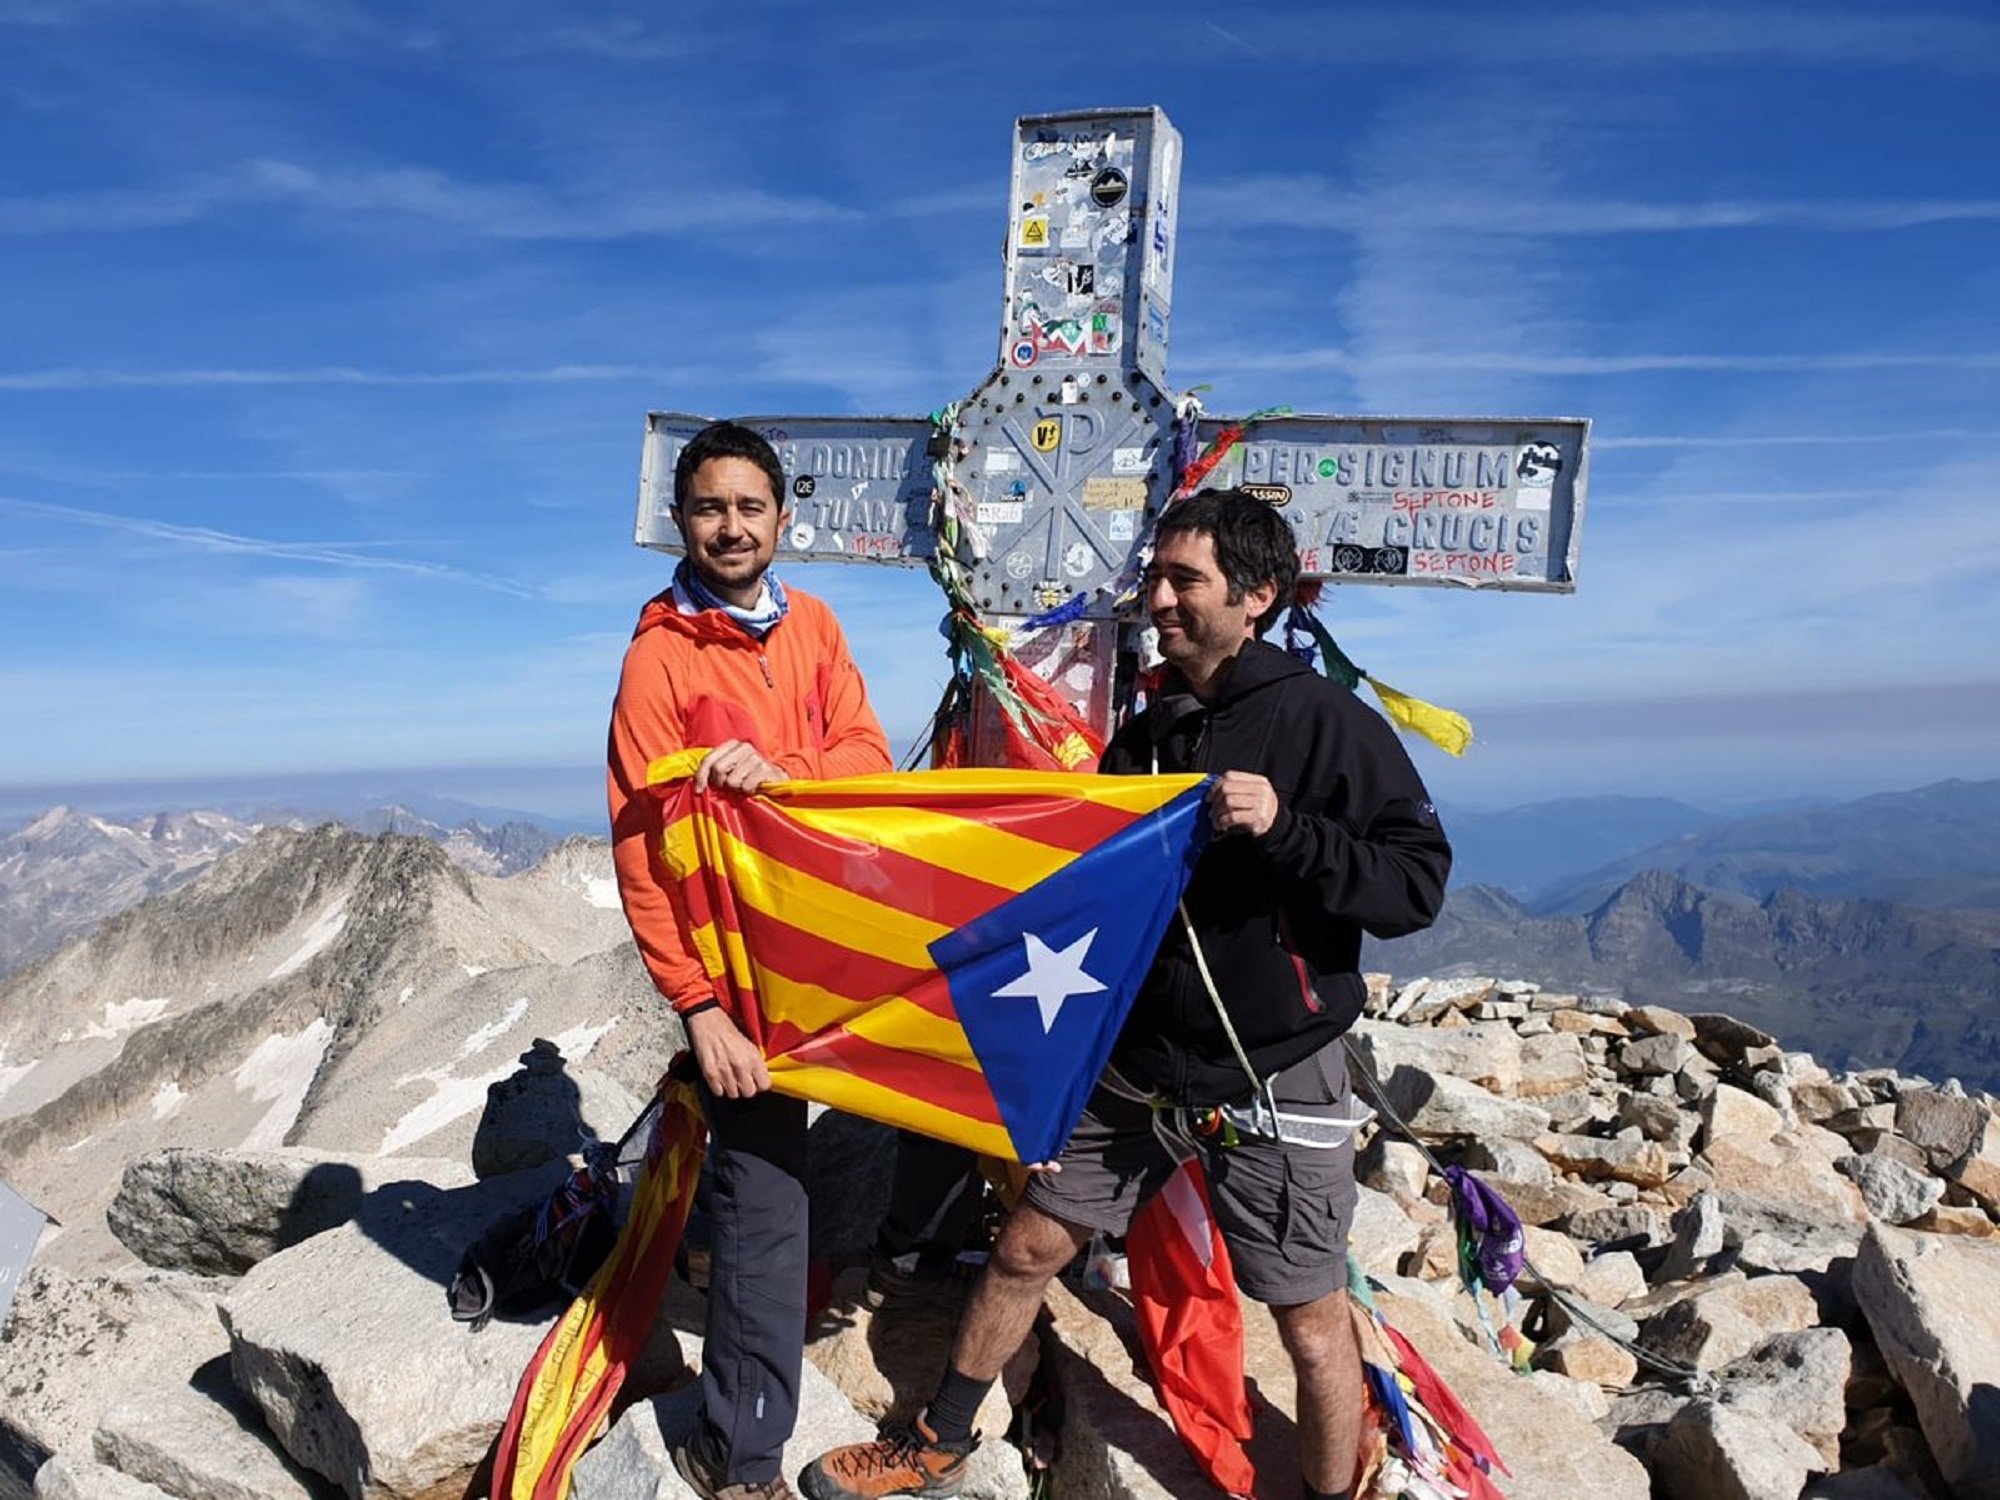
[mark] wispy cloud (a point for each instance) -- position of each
(334, 607)
(206, 539)
(421, 194)
(75, 378)
(786, 362)
(1793, 439)
(1234, 40)
(313, 24)
(330, 477)
(119, 209)
(1323, 203)
(619, 39)
(1632, 35)
(1350, 361)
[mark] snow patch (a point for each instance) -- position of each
(601, 892)
(11, 1076)
(576, 1043)
(120, 1018)
(279, 1072)
(168, 1099)
(404, 998)
(321, 933)
(473, 971)
(451, 1099)
(492, 1031)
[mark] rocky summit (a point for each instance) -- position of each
(273, 1108)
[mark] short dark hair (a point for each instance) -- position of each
(1254, 544)
(727, 440)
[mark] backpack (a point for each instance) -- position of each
(539, 1257)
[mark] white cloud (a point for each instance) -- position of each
(1576, 38)
(206, 539)
(419, 194)
(1322, 203)
(1537, 363)
(313, 24)
(83, 378)
(1833, 438)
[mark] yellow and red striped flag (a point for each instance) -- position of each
(948, 951)
(566, 1394)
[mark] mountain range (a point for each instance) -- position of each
(1861, 983)
(1866, 929)
(320, 987)
(1936, 846)
(68, 870)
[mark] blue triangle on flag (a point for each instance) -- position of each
(1042, 983)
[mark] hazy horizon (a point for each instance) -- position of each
(571, 798)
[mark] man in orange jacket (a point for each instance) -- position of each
(728, 658)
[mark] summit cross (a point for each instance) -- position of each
(1066, 448)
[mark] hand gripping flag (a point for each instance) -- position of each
(952, 952)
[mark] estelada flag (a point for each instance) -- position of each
(952, 952)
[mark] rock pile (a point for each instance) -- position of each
(1748, 1278)
(1764, 1279)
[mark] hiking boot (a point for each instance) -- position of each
(906, 1460)
(708, 1483)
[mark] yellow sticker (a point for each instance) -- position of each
(1035, 233)
(1114, 494)
(1048, 433)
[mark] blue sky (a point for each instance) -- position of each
(330, 329)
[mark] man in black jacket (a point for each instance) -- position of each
(1324, 831)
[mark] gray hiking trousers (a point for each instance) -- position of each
(754, 1340)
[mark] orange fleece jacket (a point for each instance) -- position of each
(697, 680)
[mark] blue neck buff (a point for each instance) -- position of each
(756, 620)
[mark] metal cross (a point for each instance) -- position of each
(1067, 447)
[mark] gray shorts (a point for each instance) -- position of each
(1284, 1210)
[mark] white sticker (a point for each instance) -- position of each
(1532, 499)
(802, 536)
(1119, 527)
(1536, 466)
(1129, 461)
(1002, 460)
(1076, 559)
(1000, 512)
(1019, 565)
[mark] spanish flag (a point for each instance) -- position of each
(948, 951)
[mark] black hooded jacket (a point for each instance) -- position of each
(1355, 847)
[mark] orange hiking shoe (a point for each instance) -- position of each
(907, 1460)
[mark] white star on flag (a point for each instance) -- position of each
(1053, 976)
